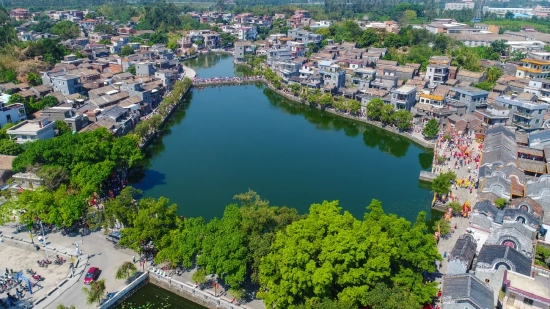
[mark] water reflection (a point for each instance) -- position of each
(373, 137)
(206, 60)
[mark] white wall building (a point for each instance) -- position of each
(32, 130)
(452, 6)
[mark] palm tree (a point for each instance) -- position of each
(96, 292)
(126, 270)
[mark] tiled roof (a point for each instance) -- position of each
(516, 232)
(528, 204)
(464, 251)
(497, 185)
(493, 256)
(499, 156)
(466, 288)
(538, 188)
(508, 171)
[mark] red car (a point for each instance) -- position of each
(91, 275)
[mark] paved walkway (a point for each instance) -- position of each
(189, 72)
(463, 171)
(101, 253)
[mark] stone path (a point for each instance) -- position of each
(445, 246)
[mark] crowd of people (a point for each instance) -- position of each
(111, 187)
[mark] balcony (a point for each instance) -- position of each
(524, 115)
(530, 70)
(522, 124)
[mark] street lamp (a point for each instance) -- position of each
(44, 238)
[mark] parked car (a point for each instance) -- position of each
(114, 237)
(91, 275)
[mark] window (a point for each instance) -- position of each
(537, 121)
(540, 111)
(528, 301)
(509, 106)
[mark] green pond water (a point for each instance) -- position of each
(223, 141)
(157, 298)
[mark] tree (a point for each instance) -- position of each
(457, 208)
(155, 219)
(443, 226)
(237, 293)
(493, 74)
(8, 76)
(374, 108)
(126, 270)
(487, 86)
(402, 119)
(126, 50)
(330, 255)
(509, 15)
(66, 30)
(62, 128)
(295, 88)
(368, 38)
(96, 292)
(431, 129)
(142, 129)
(105, 28)
(442, 183)
(386, 113)
(34, 79)
(8, 35)
(501, 202)
(199, 276)
(10, 147)
(500, 46)
(340, 104)
(155, 121)
(224, 249)
(104, 41)
(354, 106)
(226, 39)
(326, 100)
(132, 70)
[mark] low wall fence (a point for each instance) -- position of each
(192, 293)
(125, 292)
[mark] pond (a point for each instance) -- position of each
(224, 141)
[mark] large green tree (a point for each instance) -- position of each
(66, 30)
(402, 119)
(224, 249)
(155, 218)
(333, 255)
(431, 129)
(374, 108)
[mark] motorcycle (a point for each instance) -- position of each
(37, 277)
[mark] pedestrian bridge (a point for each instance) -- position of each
(218, 81)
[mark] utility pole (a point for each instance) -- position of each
(44, 238)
